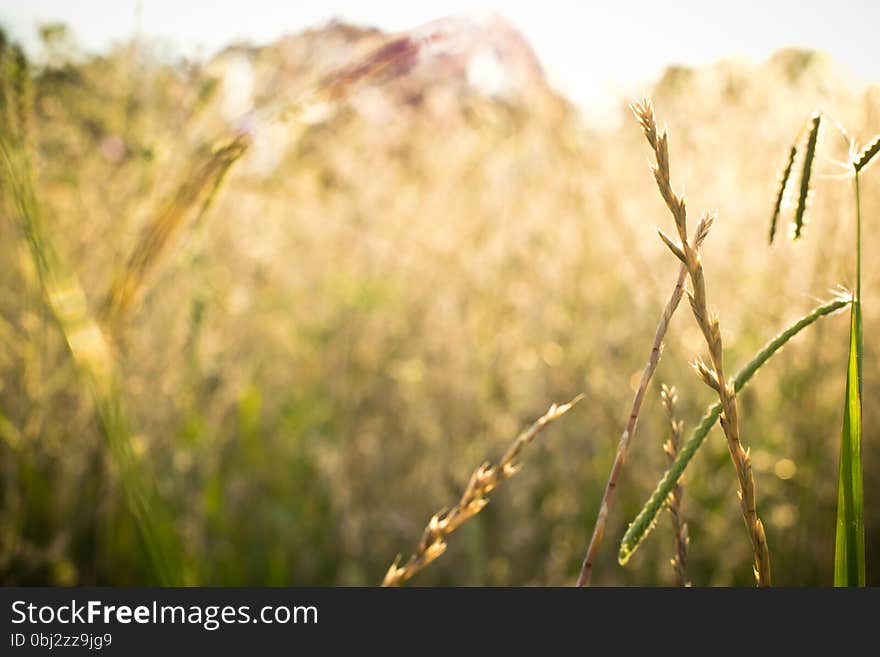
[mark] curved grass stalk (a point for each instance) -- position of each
(647, 517)
(849, 539)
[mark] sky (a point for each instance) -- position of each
(589, 50)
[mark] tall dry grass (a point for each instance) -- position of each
(686, 249)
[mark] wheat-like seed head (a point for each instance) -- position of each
(659, 142)
(483, 481)
(709, 324)
(703, 229)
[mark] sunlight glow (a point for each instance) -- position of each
(591, 51)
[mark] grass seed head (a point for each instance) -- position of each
(867, 154)
(806, 173)
(780, 192)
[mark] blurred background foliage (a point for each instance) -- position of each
(387, 288)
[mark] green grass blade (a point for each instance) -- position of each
(849, 542)
(644, 522)
(92, 354)
(849, 552)
(780, 193)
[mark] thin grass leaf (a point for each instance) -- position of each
(849, 552)
(783, 182)
(806, 173)
(647, 517)
(849, 541)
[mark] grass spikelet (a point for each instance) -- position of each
(806, 173)
(867, 154)
(669, 398)
(483, 481)
(709, 326)
(644, 113)
(783, 183)
(641, 527)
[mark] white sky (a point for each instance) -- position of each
(588, 49)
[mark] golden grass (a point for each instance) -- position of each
(712, 375)
(483, 481)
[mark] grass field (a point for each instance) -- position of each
(265, 347)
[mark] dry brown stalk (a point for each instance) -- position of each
(626, 436)
(394, 57)
(483, 481)
(712, 375)
(669, 398)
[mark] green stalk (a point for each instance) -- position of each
(647, 517)
(94, 359)
(849, 544)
